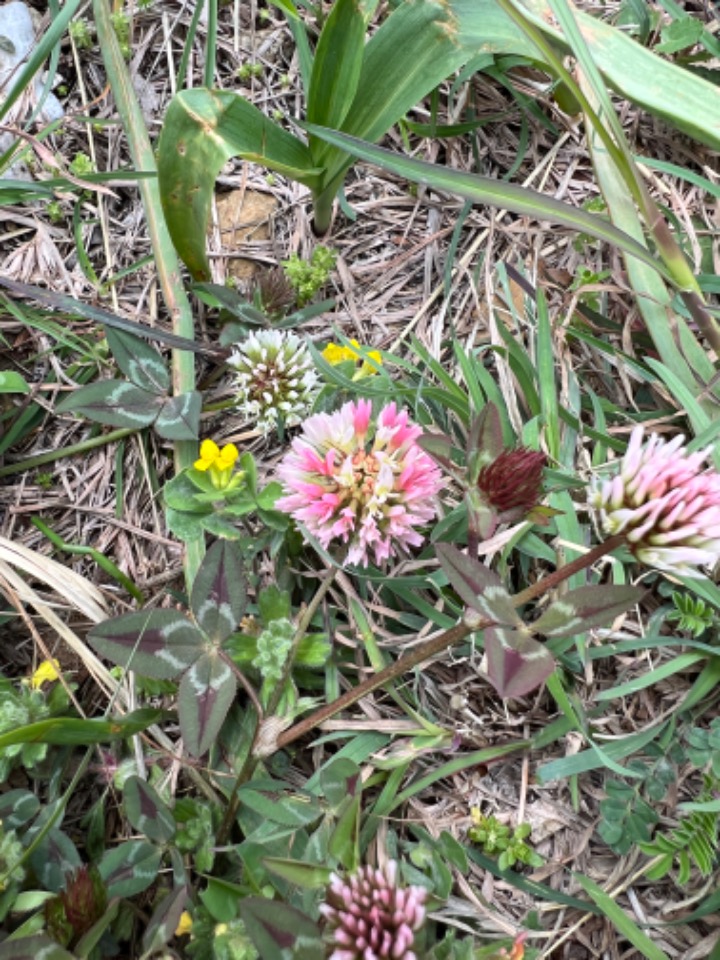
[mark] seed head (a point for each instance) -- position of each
(512, 483)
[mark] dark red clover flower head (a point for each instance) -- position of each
(513, 481)
(369, 917)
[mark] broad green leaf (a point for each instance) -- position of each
(185, 525)
(37, 947)
(681, 97)
(517, 664)
(491, 192)
(279, 931)
(202, 130)
(140, 362)
(116, 403)
(17, 807)
(336, 69)
(54, 857)
(130, 868)
(344, 843)
(307, 876)
(584, 608)
(179, 417)
(290, 810)
(12, 382)
(339, 780)
(165, 919)
(478, 585)
(71, 731)
(220, 526)
(156, 643)
(218, 596)
(146, 811)
(206, 694)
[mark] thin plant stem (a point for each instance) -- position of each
(251, 761)
(436, 645)
(166, 260)
(302, 629)
(52, 456)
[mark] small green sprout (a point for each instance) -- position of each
(692, 614)
(81, 165)
(55, 213)
(498, 838)
(81, 34)
(307, 277)
(249, 70)
(121, 26)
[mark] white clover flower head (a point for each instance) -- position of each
(275, 377)
(368, 916)
(666, 503)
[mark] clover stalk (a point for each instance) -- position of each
(447, 638)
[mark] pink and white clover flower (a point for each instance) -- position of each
(665, 502)
(361, 482)
(368, 916)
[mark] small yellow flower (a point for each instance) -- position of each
(334, 353)
(184, 924)
(47, 672)
(219, 463)
(221, 929)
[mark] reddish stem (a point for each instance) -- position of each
(437, 644)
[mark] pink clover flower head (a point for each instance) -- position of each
(665, 502)
(369, 917)
(360, 482)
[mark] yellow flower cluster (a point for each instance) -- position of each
(335, 353)
(217, 462)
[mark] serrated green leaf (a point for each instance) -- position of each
(140, 362)
(156, 643)
(517, 664)
(115, 403)
(218, 596)
(584, 608)
(179, 417)
(146, 811)
(206, 694)
(130, 868)
(12, 382)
